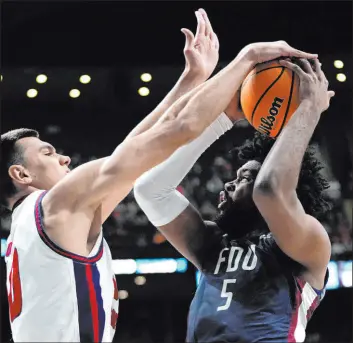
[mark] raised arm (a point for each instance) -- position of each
(298, 234)
(166, 208)
(89, 184)
(83, 191)
(201, 57)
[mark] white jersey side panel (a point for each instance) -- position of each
(56, 296)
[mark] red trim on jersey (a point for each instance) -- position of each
(114, 319)
(114, 314)
(116, 292)
(8, 251)
(298, 302)
(93, 303)
(312, 308)
(52, 245)
(301, 283)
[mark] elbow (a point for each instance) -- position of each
(140, 194)
(269, 187)
(265, 186)
(143, 187)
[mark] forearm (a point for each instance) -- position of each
(155, 191)
(185, 120)
(166, 176)
(185, 83)
(282, 166)
(203, 104)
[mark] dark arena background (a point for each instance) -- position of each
(84, 74)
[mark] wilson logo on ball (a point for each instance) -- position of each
(268, 122)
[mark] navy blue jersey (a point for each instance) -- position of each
(250, 291)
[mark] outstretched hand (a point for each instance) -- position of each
(201, 50)
(263, 52)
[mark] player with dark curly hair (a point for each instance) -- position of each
(310, 188)
(311, 184)
(263, 260)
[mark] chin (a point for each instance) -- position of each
(244, 202)
(239, 217)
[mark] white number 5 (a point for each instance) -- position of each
(224, 294)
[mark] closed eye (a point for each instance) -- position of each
(246, 178)
(48, 150)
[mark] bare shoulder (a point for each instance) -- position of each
(72, 229)
(71, 220)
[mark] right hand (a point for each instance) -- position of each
(201, 50)
(263, 52)
(313, 83)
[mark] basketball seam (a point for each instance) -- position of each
(264, 93)
(289, 102)
(246, 80)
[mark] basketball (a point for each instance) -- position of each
(269, 97)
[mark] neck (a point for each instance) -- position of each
(18, 196)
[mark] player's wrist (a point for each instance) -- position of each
(310, 106)
(191, 79)
(249, 55)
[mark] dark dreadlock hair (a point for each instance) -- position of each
(311, 184)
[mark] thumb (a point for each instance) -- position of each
(331, 94)
(189, 38)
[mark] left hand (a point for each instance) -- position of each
(313, 86)
(201, 50)
(263, 52)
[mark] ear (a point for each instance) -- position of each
(20, 174)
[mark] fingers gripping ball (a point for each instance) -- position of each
(269, 96)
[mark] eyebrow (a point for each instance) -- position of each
(47, 146)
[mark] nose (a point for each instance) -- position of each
(229, 187)
(65, 160)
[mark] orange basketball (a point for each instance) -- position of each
(269, 97)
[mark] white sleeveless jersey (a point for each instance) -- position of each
(54, 295)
